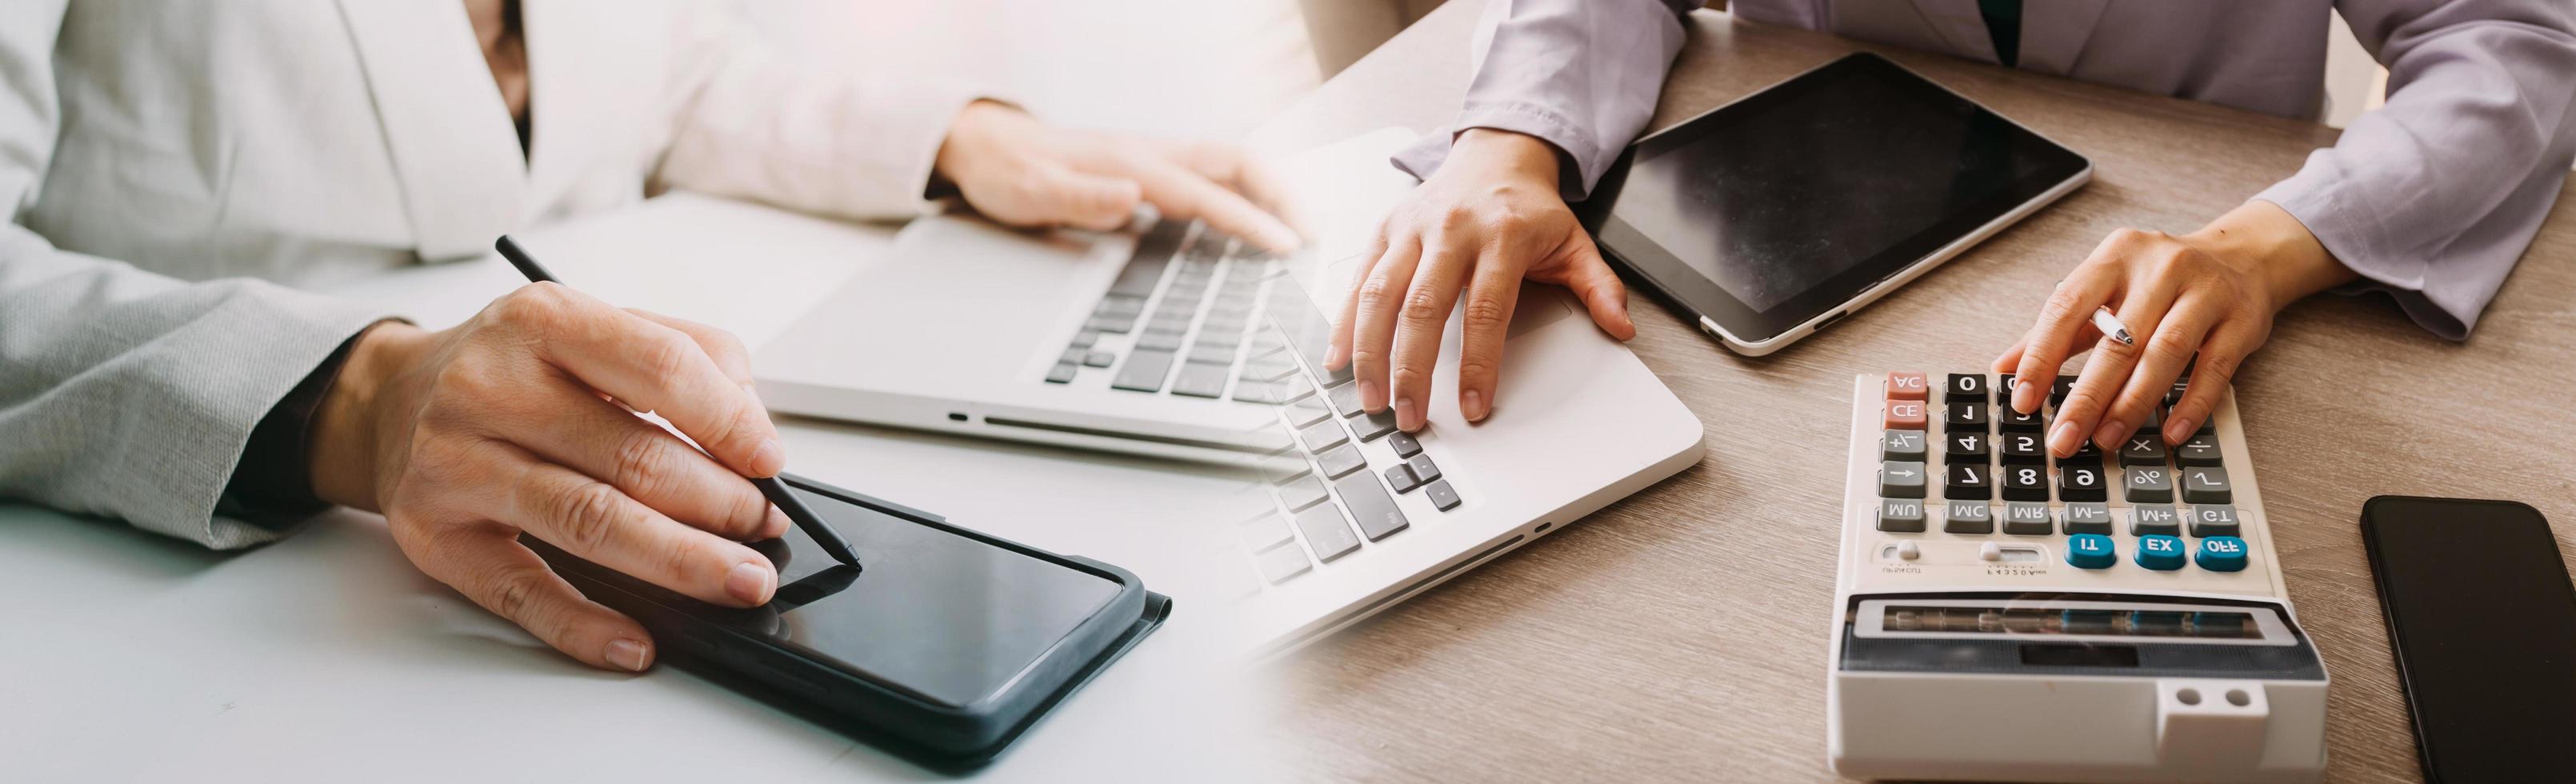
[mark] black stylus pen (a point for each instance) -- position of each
(770, 486)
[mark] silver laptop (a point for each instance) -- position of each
(1178, 342)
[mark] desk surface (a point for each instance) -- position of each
(1681, 634)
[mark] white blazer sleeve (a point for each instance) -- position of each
(123, 393)
(749, 125)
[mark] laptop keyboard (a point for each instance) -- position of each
(1200, 315)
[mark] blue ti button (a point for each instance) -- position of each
(2094, 551)
(2161, 553)
(2222, 554)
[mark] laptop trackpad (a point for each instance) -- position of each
(1540, 304)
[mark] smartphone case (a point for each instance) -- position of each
(885, 715)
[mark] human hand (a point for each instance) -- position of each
(1022, 172)
(465, 437)
(1488, 218)
(2212, 292)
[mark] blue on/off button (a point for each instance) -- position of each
(2092, 551)
(2222, 554)
(2159, 552)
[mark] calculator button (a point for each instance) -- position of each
(1904, 414)
(2222, 554)
(2149, 484)
(2080, 482)
(2173, 394)
(2145, 448)
(1969, 482)
(1969, 519)
(1326, 532)
(1965, 444)
(2198, 450)
(2057, 392)
(2091, 551)
(1901, 445)
(2154, 520)
(1902, 517)
(2210, 520)
(2023, 482)
(2010, 421)
(2155, 421)
(2161, 553)
(1966, 388)
(2088, 518)
(1908, 386)
(2028, 519)
(1898, 479)
(2021, 448)
(2205, 485)
(1967, 415)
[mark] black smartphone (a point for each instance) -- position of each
(2483, 621)
(941, 646)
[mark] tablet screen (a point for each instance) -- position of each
(1797, 198)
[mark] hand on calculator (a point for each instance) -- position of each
(1489, 217)
(2211, 293)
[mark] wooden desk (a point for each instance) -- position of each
(1681, 634)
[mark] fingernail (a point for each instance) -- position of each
(1406, 416)
(1371, 397)
(1335, 356)
(2025, 398)
(769, 459)
(2179, 429)
(2061, 442)
(1472, 405)
(630, 654)
(749, 581)
(2110, 433)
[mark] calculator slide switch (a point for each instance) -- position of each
(2091, 551)
(2222, 554)
(2161, 553)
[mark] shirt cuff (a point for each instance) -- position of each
(1576, 150)
(2351, 231)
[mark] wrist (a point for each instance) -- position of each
(1510, 154)
(342, 452)
(971, 137)
(2270, 245)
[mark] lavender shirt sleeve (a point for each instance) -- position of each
(2435, 196)
(1581, 74)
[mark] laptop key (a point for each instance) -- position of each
(1159, 341)
(1423, 468)
(1322, 436)
(1062, 373)
(1143, 372)
(1266, 370)
(1098, 358)
(1073, 356)
(1346, 399)
(1085, 338)
(1296, 387)
(1265, 532)
(1302, 492)
(1262, 392)
(1326, 532)
(1370, 506)
(1340, 461)
(1307, 411)
(1117, 326)
(1212, 353)
(1199, 379)
(1374, 426)
(1401, 478)
(1443, 497)
(1279, 564)
(1404, 443)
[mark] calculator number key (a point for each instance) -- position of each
(1967, 387)
(2024, 482)
(1969, 482)
(1966, 415)
(2080, 482)
(1971, 444)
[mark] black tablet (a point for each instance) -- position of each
(1771, 216)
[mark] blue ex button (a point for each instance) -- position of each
(2159, 552)
(2091, 551)
(2222, 554)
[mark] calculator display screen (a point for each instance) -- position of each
(1769, 211)
(2201, 624)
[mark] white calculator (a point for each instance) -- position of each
(2003, 615)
